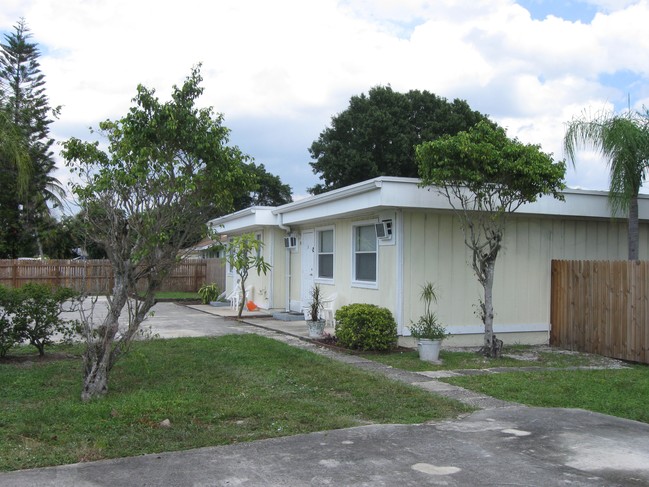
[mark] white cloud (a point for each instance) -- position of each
(297, 63)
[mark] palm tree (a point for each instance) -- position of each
(623, 141)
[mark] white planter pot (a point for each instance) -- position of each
(316, 328)
(429, 349)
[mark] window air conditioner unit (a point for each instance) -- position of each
(384, 230)
(290, 242)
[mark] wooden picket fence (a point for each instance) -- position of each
(601, 307)
(96, 276)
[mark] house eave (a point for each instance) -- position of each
(386, 193)
(244, 220)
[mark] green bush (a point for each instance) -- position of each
(209, 293)
(37, 315)
(366, 327)
(8, 335)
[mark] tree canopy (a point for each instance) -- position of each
(623, 141)
(485, 176)
(24, 100)
(143, 201)
(268, 189)
(377, 134)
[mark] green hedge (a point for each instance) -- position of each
(32, 314)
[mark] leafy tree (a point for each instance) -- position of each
(377, 134)
(61, 239)
(22, 86)
(15, 171)
(268, 190)
(243, 253)
(623, 141)
(486, 176)
(166, 162)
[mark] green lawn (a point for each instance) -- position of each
(213, 390)
(618, 392)
(176, 295)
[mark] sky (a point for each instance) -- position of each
(280, 70)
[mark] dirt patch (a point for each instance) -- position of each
(27, 360)
(330, 341)
(540, 353)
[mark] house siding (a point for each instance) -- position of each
(428, 245)
(435, 251)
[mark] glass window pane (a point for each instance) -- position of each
(327, 241)
(366, 267)
(366, 238)
(326, 266)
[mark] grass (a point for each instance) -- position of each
(176, 295)
(213, 390)
(618, 392)
(471, 360)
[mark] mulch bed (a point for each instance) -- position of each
(329, 341)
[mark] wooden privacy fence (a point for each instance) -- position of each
(601, 307)
(96, 276)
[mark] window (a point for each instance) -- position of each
(365, 254)
(325, 251)
(260, 249)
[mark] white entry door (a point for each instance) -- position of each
(308, 266)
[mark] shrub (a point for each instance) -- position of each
(209, 293)
(37, 315)
(366, 327)
(8, 335)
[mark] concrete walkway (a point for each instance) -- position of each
(501, 444)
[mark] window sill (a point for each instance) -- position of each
(324, 280)
(365, 284)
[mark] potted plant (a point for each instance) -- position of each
(427, 330)
(314, 323)
(209, 293)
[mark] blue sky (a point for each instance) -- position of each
(280, 70)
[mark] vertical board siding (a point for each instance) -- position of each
(601, 307)
(96, 276)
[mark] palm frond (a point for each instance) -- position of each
(623, 142)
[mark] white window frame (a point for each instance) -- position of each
(260, 237)
(228, 268)
(364, 284)
(318, 279)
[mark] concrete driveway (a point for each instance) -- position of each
(515, 446)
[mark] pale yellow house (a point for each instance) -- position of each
(380, 240)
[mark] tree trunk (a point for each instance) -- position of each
(488, 307)
(243, 298)
(98, 359)
(97, 366)
(634, 232)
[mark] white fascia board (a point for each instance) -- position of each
(394, 192)
(578, 203)
(335, 208)
(335, 195)
(245, 220)
(356, 198)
